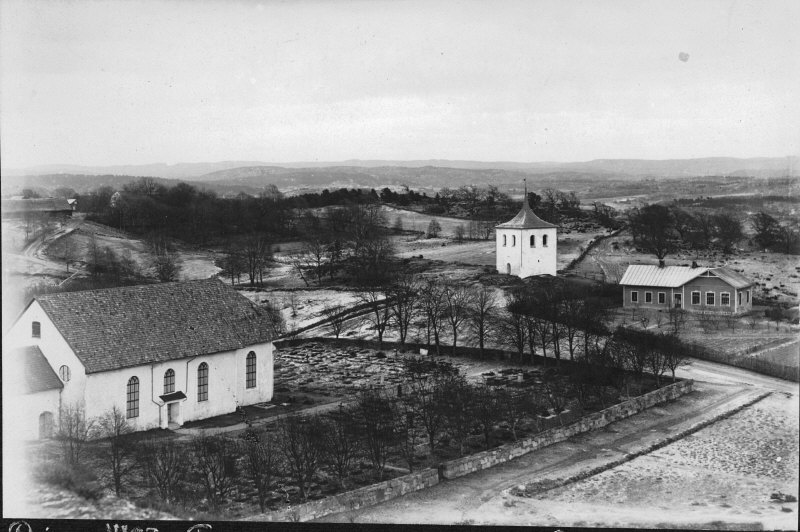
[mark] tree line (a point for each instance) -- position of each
(664, 229)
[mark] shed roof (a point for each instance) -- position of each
(37, 373)
(525, 219)
(16, 206)
(676, 276)
(122, 327)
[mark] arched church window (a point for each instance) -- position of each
(544, 240)
(533, 241)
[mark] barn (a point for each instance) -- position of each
(695, 289)
(163, 354)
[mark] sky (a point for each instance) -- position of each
(135, 82)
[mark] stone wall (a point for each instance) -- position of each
(353, 500)
(390, 489)
(476, 462)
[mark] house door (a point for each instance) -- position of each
(46, 425)
(678, 301)
(172, 412)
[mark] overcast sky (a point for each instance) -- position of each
(105, 82)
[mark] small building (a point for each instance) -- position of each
(51, 207)
(163, 354)
(694, 289)
(526, 245)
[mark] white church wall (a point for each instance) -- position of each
(54, 348)
(226, 386)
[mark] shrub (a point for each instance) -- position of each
(76, 478)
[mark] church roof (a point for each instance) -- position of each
(37, 374)
(133, 325)
(525, 219)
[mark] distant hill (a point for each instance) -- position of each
(719, 166)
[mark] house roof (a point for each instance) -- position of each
(525, 219)
(35, 205)
(122, 327)
(37, 374)
(676, 276)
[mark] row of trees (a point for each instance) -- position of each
(663, 229)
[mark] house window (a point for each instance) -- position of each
(695, 298)
(513, 240)
(544, 241)
(662, 298)
(202, 382)
(748, 296)
(739, 297)
(533, 241)
(648, 297)
(36, 329)
(634, 296)
(133, 397)
(64, 373)
(250, 370)
(504, 240)
(169, 381)
(725, 298)
(710, 299)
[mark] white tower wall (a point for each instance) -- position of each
(515, 255)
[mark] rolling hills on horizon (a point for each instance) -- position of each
(213, 171)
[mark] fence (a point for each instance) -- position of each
(759, 365)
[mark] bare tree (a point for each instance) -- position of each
(64, 249)
(74, 430)
(215, 460)
(510, 329)
(455, 395)
(165, 465)
(425, 377)
(676, 318)
(487, 409)
(457, 298)
(434, 228)
(257, 253)
(433, 305)
(404, 297)
(517, 404)
(480, 314)
(118, 454)
(376, 416)
(163, 259)
(301, 444)
(458, 233)
(340, 440)
(378, 313)
(335, 314)
(406, 430)
(261, 462)
(674, 354)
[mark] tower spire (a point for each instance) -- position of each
(525, 185)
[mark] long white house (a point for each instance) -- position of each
(164, 354)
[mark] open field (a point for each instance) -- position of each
(724, 473)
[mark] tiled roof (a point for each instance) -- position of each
(37, 373)
(525, 219)
(676, 276)
(129, 326)
(35, 205)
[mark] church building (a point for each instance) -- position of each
(526, 245)
(162, 353)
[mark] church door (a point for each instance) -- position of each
(46, 425)
(508, 268)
